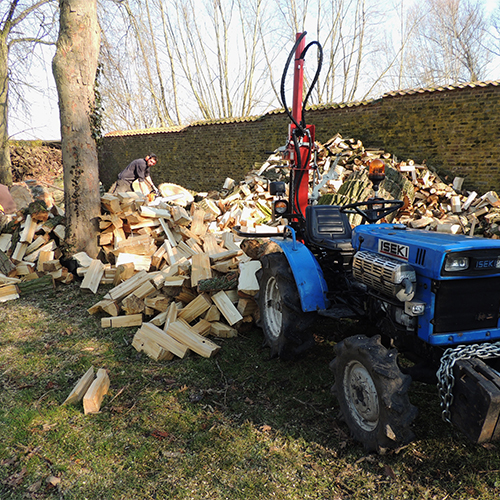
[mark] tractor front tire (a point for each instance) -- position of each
(282, 320)
(373, 393)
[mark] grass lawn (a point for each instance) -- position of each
(238, 426)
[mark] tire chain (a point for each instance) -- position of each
(446, 379)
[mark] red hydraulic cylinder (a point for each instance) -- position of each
(300, 163)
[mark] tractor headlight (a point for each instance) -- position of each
(280, 207)
(456, 263)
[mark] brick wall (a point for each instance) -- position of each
(455, 130)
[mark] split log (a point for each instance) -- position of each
(7, 267)
(164, 340)
(227, 308)
(142, 343)
(122, 321)
(81, 387)
(183, 333)
(96, 392)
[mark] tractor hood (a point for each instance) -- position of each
(427, 250)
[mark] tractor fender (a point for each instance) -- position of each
(307, 273)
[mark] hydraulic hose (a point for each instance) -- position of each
(300, 128)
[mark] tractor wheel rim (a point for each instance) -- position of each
(361, 396)
(273, 308)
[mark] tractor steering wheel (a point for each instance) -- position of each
(374, 208)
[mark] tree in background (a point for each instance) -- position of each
(450, 43)
(75, 66)
(22, 23)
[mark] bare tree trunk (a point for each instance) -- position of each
(5, 166)
(74, 67)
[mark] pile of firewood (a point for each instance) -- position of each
(184, 247)
(29, 250)
(175, 275)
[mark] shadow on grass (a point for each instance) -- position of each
(238, 425)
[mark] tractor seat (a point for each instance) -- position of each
(329, 228)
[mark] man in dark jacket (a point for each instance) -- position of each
(137, 170)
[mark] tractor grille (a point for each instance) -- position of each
(463, 305)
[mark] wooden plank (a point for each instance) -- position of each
(180, 216)
(142, 343)
(227, 308)
(194, 245)
(195, 308)
(96, 392)
(106, 239)
(200, 268)
(60, 232)
(183, 333)
(226, 266)
(50, 266)
(111, 203)
(44, 256)
(225, 255)
(168, 233)
(81, 387)
(228, 240)
(5, 280)
(122, 321)
(185, 249)
(165, 340)
(25, 268)
(93, 276)
(139, 245)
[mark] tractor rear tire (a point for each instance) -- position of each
(373, 393)
(282, 320)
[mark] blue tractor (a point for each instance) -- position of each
(433, 297)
